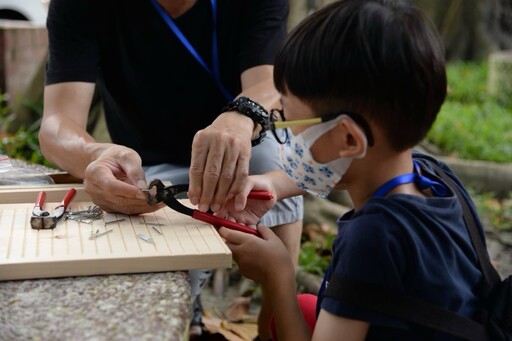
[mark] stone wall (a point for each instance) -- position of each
(23, 46)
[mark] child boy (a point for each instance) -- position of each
(373, 73)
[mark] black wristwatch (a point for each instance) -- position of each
(254, 111)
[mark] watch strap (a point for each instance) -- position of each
(254, 111)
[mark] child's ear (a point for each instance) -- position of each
(354, 142)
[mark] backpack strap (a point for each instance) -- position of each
(404, 307)
(491, 275)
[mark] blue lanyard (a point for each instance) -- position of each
(437, 188)
(215, 53)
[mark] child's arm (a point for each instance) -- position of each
(332, 327)
(266, 261)
(248, 211)
(277, 182)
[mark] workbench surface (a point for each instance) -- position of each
(153, 306)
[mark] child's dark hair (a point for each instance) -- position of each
(380, 58)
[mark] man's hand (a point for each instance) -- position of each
(220, 161)
(221, 151)
(114, 181)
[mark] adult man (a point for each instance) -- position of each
(165, 69)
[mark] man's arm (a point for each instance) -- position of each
(112, 174)
(221, 151)
(63, 126)
(258, 84)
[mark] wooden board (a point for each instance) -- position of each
(28, 193)
(184, 243)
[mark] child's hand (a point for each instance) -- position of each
(264, 260)
(249, 211)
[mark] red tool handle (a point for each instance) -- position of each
(37, 211)
(217, 221)
(41, 197)
(67, 199)
(260, 195)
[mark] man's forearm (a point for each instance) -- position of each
(258, 85)
(63, 137)
(69, 147)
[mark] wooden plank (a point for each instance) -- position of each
(184, 243)
(28, 193)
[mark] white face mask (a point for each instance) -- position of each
(316, 178)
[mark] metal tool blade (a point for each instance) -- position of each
(43, 223)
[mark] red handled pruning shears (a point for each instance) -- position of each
(167, 196)
(42, 220)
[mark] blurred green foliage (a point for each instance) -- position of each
(24, 143)
(472, 125)
(493, 211)
(315, 254)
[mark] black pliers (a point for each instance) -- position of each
(167, 196)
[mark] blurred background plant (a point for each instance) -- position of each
(472, 124)
(496, 212)
(22, 144)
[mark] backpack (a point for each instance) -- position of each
(494, 320)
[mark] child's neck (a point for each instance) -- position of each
(372, 172)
